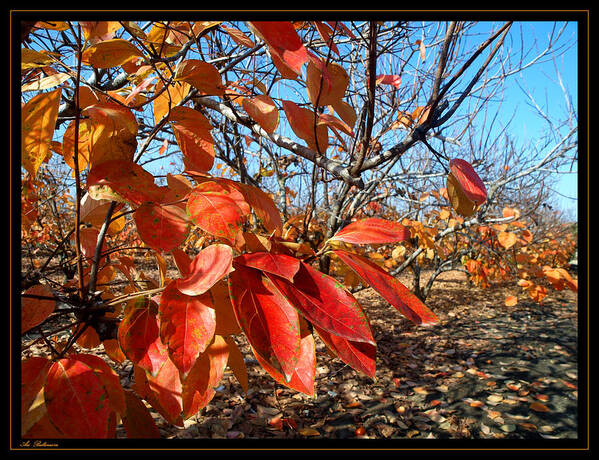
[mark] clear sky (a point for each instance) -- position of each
(542, 83)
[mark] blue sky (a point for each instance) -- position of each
(540, 80)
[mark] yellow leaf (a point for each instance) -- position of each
(46, 82)
(110, 53)
(31, 59)
(458, 199)
(507, 239)
(38, 120)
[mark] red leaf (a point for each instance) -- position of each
(302, 379)
(138, 421)
(139, 335)
(358, 355)
(127, 179)
(394, 80)
(186, 326)
(109, 379)
(372, 230)
(269, 322)
(390, 288)
(210, 265)
(205, 375)
(163, 391)
(277, 264)
(325, 303)
(211, 208)
(285, 46)
(470, 183)
(302, 123)
(182, 260)
(76, 400)
(162, 227)
(35, 309)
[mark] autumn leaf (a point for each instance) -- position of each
(205, 375)
(460, 202)
(278, 264)
(110, 53)
(161, 227)
(137, 420)
(303, 122)
(360, 356)
(127, 179)
(187, 325)
(163, 390)
(210, 265)
(394, 80)
(269, 322)
(302, 379)
(372, 230)
(192, 131)
(507, 239)
(215, 209)
(37, 303)
(469, 182)
(38, 120)
(262, 110)
(286, 48)
(139, 335)
(389, 288)
(325, 303)
(77, 416)
(511, 301)
(201, 75)
(326, 90)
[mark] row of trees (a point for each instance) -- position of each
(269, 161)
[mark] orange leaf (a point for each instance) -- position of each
(38, 120)
(510, 301)
(110, 53)
(262, 110)
(285, 46)
(507, 239)
(329, 89)
(201, 75)
(35, 309)
(538, 407)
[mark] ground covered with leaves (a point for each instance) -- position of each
(485, 371)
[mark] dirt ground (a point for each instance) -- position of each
(486, 371)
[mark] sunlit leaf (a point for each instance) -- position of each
(389, 288)
(262, 110)
(187, 325)
(269, 322)
(38, 120)
(110, 53)
(161, 227)
(470, 183)
(372, 230)
(76, 400)
(324, 302)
